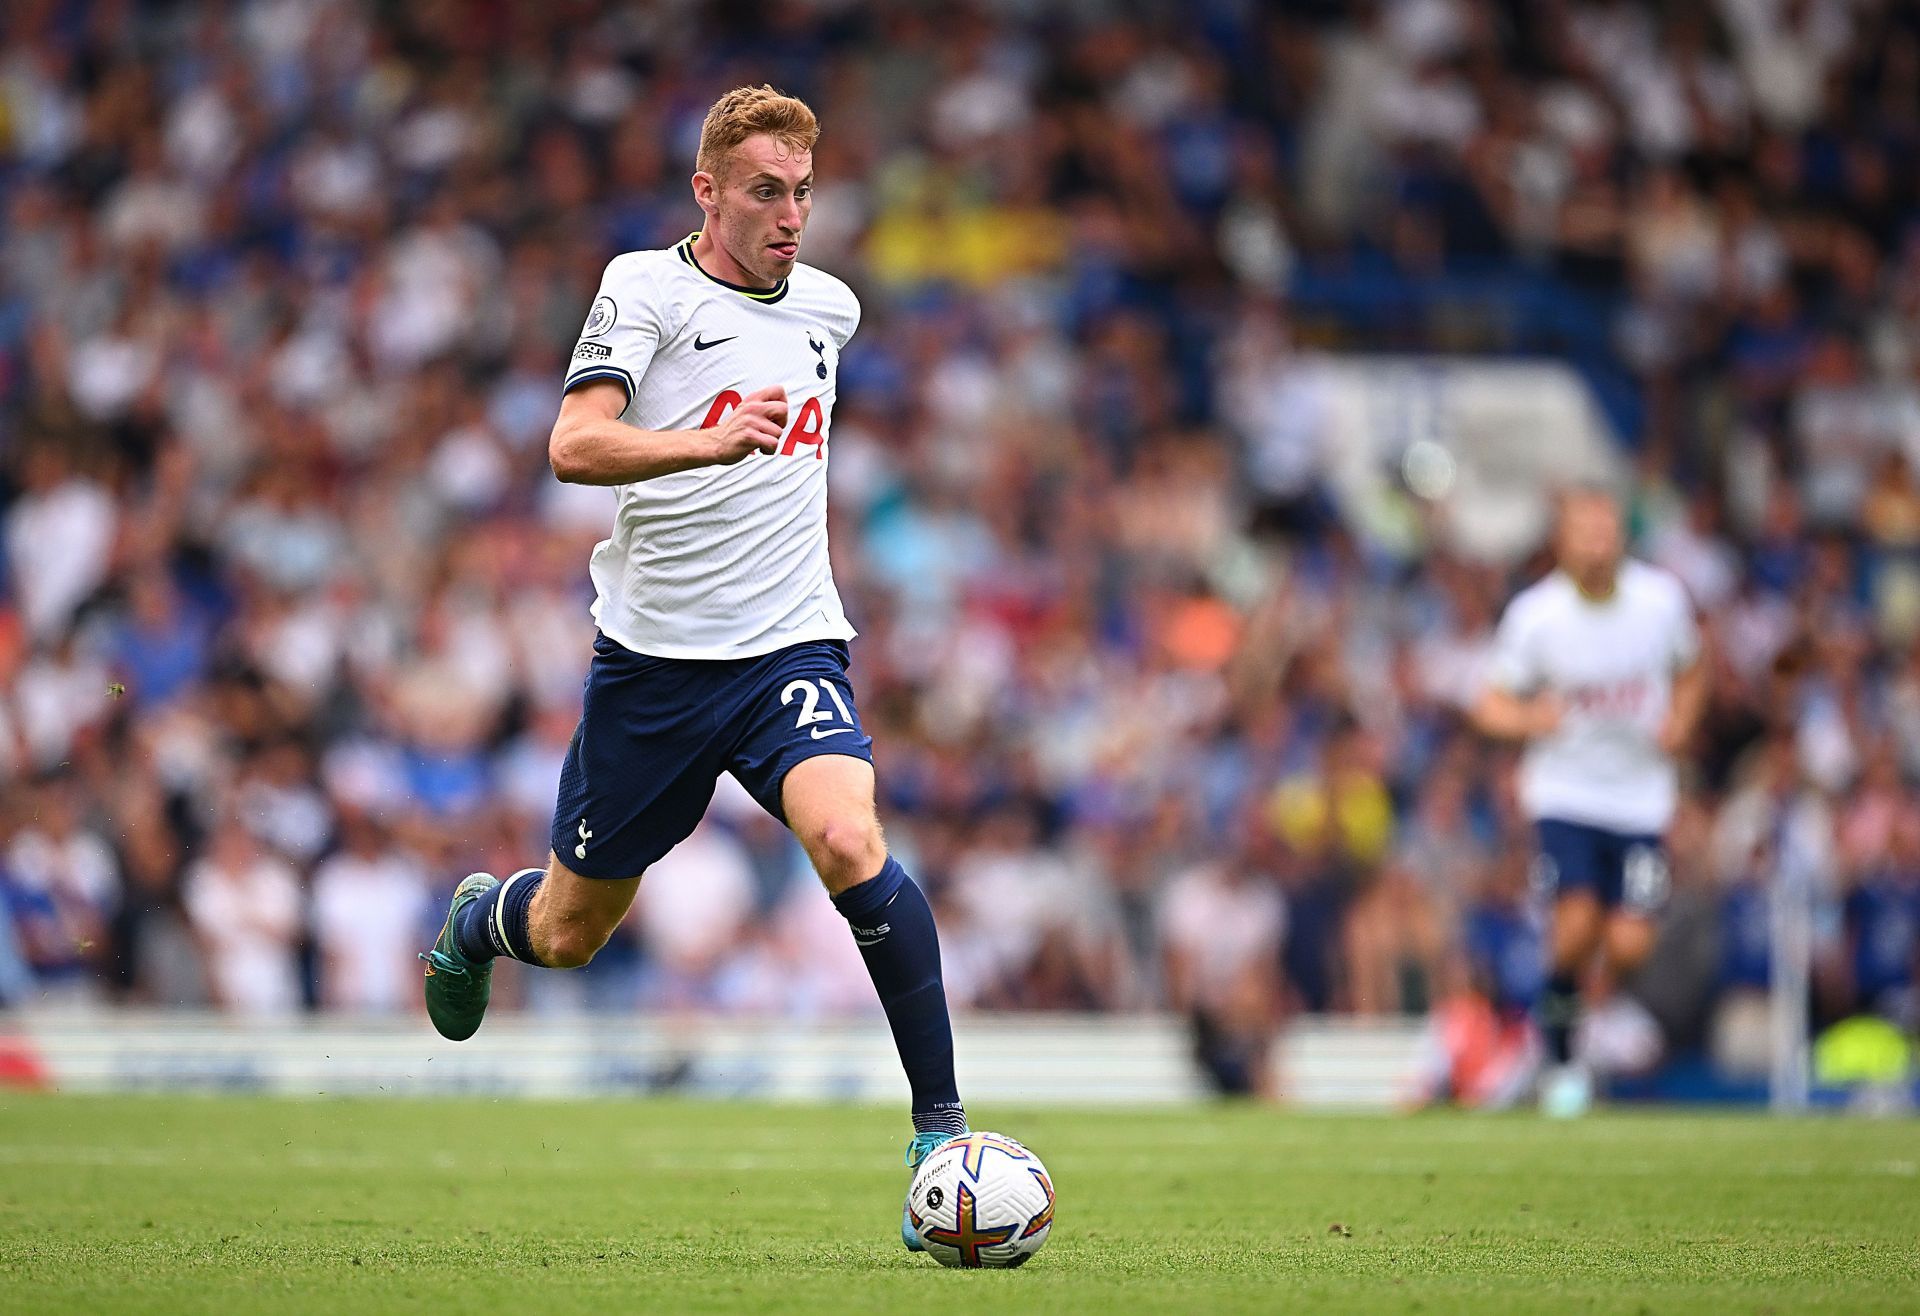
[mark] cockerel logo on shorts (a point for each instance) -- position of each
(580, 850)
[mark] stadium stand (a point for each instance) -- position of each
(293, 615)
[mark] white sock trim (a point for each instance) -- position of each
(499, 928)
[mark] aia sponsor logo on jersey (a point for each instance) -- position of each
(1616, 699)
(809, 428)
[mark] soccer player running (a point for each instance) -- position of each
(702, 388)
(1597, 670)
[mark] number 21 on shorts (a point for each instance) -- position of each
(808, 692)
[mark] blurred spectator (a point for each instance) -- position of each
(16, 975)
(1882, 914)
(61, 696)
(160, 649)
(1277, 403)
(245, 908)
(371, 904)
(59, 535)
(278, 540)
(1394, 942)
(1480, 1048)
(1042, 927)
(690, 912)
(1222, 922)
(62, 887)
(158, 959)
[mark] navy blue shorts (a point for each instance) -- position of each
(1623, 870)
(656, 733)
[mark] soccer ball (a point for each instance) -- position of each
(981, 1200)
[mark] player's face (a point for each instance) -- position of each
(1590, 538)
(759, 207)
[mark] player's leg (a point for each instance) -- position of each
(458, 987)
(1641, 880)
(552, 917)
(636, 780)
(829, 807)
(828, 802)
(1629, 940)
(1574, 935)
(803, 755)
(1569, 871)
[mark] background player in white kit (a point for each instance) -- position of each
(703, 388)
(1597, 668)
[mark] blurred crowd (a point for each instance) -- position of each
(293, 614)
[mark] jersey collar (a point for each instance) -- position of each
(1593, 600)
(766, 296)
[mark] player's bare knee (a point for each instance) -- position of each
(1629, 941)
(571, 946)
(569, 942)
(569, 955)
(845, 852)
(1577, 929)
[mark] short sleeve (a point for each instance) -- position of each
(851, 325)
(1686, 631)
(622, 331)
(1515, 667)
(842, 308)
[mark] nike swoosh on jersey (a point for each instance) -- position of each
(699, 346)
(818, 734)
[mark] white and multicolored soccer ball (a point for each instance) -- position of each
(981, 1200)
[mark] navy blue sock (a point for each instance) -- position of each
(893, 926)
(496, 923)
(1559, 1010)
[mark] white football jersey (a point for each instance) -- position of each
(1611, 662)
(718, 561)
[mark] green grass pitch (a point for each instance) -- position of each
(241, 1204)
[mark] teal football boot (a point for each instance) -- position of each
(1566, 1092)
(922, 1146)
(457, 988)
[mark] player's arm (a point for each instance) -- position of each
(1688, 701)
(1684, 709)
(1504, 715)
(1516, 703)
(590, 444)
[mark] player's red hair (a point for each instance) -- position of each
(745, 111)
